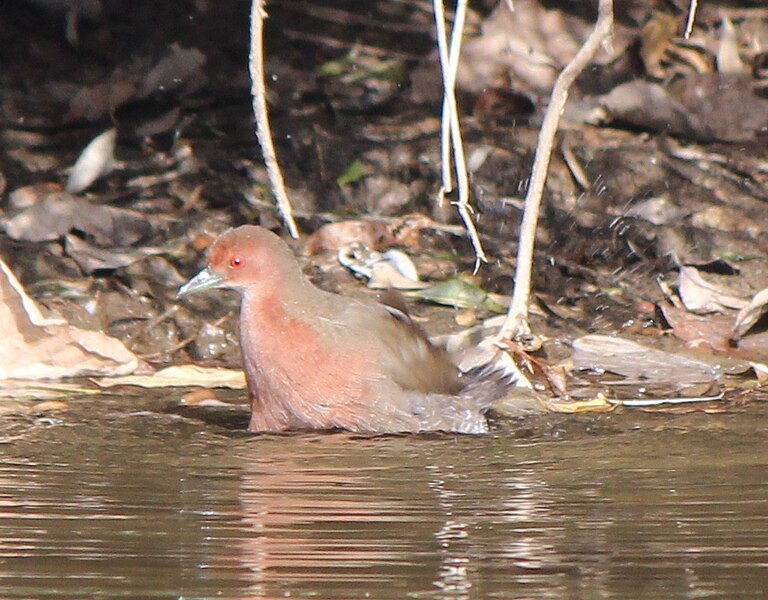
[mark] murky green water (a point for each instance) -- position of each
(103, 504)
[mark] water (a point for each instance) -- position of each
(102, 503)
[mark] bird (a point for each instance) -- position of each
(316, 360)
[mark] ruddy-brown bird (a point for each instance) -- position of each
(318, 360)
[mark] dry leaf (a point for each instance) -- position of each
(597, 404)
(33, 347)
(641, 363)
(658, 210)
(333, 236)
(649, 106)
(751, 314)
(393, 269)
(90, 258)
(40, 390)
(460, 293)
(181, 376)
(728, 59)
(50, 406)
(202, 397)
(721, 107)
(686, 107)
(701, 297)
(56, 213)
(29, 195)
(111, 226)
(715, 333)
(181, 67)
(528, 45)
(96, 160)
(46, 220)
(761, 372)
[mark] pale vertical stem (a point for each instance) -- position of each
(516, 323)
(263, 130)
(445, 123)
(692, 9)
(449, 59)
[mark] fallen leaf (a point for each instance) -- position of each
(333, 236)
(686, 107)
(352, 174)
(111, 226)
(41, 390)
(51, 406)
(714, 333)
(637, 362)
(34, 347)
(182, 67)
(392, 269)
(201, 397)
(741, 114)
(649, 106)
(711, 332)
(658, 210)
(58, 212)
(459, 293)
(46, 220)
(181, 376)
(761, 371)
(90, 258)
(597, 404)
(728, 59)
(554, 375)
(95, 161)
(528, 42)
(29, 195)
(701, 297)
(751, 314)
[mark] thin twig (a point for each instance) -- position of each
(516, 323)
(451, 128)
(445, 122)
(692, 9)
(573, 164)
(263, 131)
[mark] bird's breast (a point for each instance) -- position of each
(290, 363)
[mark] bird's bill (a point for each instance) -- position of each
(205, 280)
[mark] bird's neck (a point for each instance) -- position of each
(277, 306)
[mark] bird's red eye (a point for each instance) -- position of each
(236, 262)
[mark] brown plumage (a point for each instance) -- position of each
(316, 360)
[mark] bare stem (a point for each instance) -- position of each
(445, 124)
(692, 9)
(451, 128)
(516, 323)
(263, 130)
